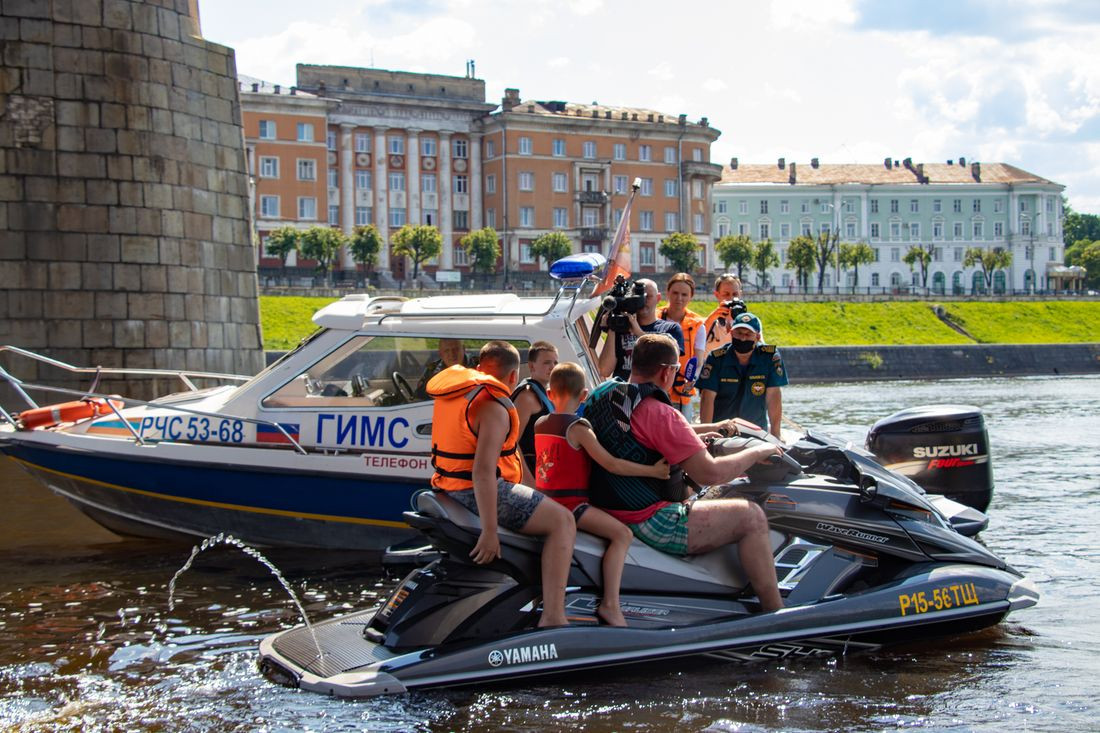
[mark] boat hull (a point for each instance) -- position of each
(161, 491)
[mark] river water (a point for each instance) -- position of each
(87, 641)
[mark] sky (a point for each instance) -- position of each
(846, 81)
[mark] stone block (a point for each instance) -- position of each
(129, 334)
(11, 188)
(96, 275)
(65, 36)
(68, 86)
(95, 37)
(71, 191)
(110, 305)
(70, 139)
(35, 216)
(103, 247)
(127, 277)
(171, 223)
(26, 303)
(197, 226)
(177, 280)
(102, 192)
(82, 165)
(40, 188)
(215, 335)
(204, 202)
(113, 115)
(145, 306)
(97, 333)
(31, 162)
(78, 60)
(194, 307)
(74, 247)
(156, 334)
(154, 279)
(153, 48)
(145, 19)
(198, 334)
(26, 9)
(138, 118)
(81, 12)
(13, 246)
(65, 334)
(169, 252)
(173, 302)
(148, 222)
(120, 167)
(116, 14)
(131, 193)
(122, 220)
(64, 276)
(100, 141)
(138, 249)
(157, 195)
(33, 30)
(128, 66)
(179, 334)
(156, 96)
(69, 304)
(77, 114)
(168, 24)
(77, 218)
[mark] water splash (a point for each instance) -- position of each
(228, 539)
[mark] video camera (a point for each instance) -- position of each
(736, 306)
(625, 296)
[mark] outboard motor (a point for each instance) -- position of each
(943, 448)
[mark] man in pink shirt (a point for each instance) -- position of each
(635, 421)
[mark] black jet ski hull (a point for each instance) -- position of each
(939, 600)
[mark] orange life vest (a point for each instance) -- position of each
(690, 325)
(455, 390)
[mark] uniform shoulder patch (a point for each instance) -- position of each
(766, 348)
(720, 351)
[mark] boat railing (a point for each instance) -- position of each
(111, 401)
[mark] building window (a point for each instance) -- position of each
(620, 151)
(895, 230)
(765, 230)
(1053, 254)
(645, 153)
(849, 206)
(490, 150)
(807, 229)
(874, 280)
(305, 132)
(330, 139)
(914, 206)
(618, 184)
(937, 206)
(957, 230)
(269, 167)
(332, 178)
(491, 183)
(429, 216)
(1025, 227)
(459, 146)
(362, 179)
(458, 255)
(1023, 206)
(697, 189)
(589, 149)
(850, 230)
(784, 207)
(307, 169)
(396, 145)
(645, 221)
(525, 256)
(893, 206)
(874, 206)
(998, 229)
(362, 216)
(957, 206)
(461, 184)
(723, 228)
(914, 230)
(743, 228)
(527, 216)
(647, 187)
(998, 206)
(491, 217)
(764, 206)
(722, 206)
(617, 217)
(978, 230)
(742, 207)
(590, 216)
(397, 217)
(670, 155)
(937, 230)
(525, 146)
(460, 219)
(526, 181)
(784, 231)
(697, 155)
(958, 254)
(267, 129)
(672, 221)
(333, 214)
(269, 207)
(671, 187)
(647, 254)
(561, 218)
(875, 234)
(396, 181)
(428, 183)
(805, 208)
(559, 182)
(427, 147)
(895, 254)
(826, 207)
(699, 223)
(307, 208)
(362, 142)
(558, 148)
(977, 206)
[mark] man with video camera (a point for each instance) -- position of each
(634, 313)
(719, 324)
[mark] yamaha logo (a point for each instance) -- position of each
(523, 654)
(495, 658)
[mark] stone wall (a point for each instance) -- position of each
(124, 223)
(860, 363)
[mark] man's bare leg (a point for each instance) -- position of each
(712, 524)
(554, 523)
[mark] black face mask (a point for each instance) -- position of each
(743, 347)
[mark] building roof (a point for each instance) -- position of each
(871, 174)
(259, 86)
(512, 105)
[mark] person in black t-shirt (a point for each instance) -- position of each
(617, 348)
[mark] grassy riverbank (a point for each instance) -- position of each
(286, 320)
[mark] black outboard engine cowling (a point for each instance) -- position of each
(943, 448)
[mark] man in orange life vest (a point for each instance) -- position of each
(475, 431)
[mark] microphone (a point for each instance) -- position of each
(689, 369)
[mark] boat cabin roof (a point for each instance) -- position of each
(352, 312)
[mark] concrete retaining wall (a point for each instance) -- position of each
(860, 363)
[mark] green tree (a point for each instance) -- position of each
(322, 244)
(482, 249)
(420, 243)
(801, 257)
(552, 246)
(920, 256)
(825, 249)
(1076, 226)
(283, 241)
(734, 248)
(1087, 255)
(365, 244)
(763, 257)
(989, 260)
(680, 250)
(854, 255)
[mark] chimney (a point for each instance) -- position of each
(255, 86)
(919, 170)
(649, 118)
(704, 122)
(793, 177)
(962, 162)
(293, 91)
(814, 163)
(951, 161)
(511, 99)
(782, 163)
(888, 163)
(277, 88)
(682, 120)
(733, 163)
(908, 163)
(976, 170)
(896, 164)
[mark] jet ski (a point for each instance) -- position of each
(863, 560)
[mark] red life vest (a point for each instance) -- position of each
(456, 390)
(561, 471)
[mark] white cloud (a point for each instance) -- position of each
(661, 72)
(714, 85)
(558, 62)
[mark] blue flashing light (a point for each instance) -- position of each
(578, 266)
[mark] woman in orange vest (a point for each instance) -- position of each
(475, 429)
(680, 290)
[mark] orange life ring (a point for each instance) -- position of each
(50, 415)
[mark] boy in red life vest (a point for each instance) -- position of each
(530, 396)
(564, 447)
(475, 429)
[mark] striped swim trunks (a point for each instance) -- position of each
(666, 530)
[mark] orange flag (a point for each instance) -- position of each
(618, 259)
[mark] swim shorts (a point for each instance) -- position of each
(515, 503)
(666, 530)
